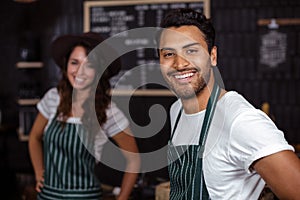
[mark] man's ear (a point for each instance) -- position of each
(213, 56)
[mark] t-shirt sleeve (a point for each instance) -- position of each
(116, 121)
(253, 136)
(47, 106)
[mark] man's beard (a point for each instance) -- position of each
(188, 91)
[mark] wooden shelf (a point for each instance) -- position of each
(25, 65)
(279, 21)
(28, 102)
(142, 92)
(23, 138)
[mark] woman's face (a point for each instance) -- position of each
(80, 74)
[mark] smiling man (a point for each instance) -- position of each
(221, 147)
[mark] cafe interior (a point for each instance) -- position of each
(258, 56)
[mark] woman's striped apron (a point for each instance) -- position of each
(185, 161)
(69, 167)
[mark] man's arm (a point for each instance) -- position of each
(281, 172)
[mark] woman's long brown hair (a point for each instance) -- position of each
(101, 98)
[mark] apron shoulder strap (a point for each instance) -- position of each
(176, 123)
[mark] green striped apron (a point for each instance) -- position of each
(185, 161)
(69, 167)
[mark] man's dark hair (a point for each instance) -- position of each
(186, 16)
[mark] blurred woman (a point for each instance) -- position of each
(66, 136)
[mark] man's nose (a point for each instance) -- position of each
(181, 62)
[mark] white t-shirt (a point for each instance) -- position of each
(239, 134)
(116, 120)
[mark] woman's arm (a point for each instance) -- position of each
(281, 171)
(36, 149)
(128, 146)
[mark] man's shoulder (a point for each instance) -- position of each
(235, 101)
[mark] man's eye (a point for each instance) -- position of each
(168, 54)
(191, 51)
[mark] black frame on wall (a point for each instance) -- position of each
(109, 18)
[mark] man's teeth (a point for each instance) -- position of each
(182, 76)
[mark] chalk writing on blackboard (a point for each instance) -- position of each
(273, 49)
(111, 18)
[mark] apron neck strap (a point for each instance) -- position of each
(209, 113)
(210, 109)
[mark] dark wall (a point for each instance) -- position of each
(238, 37)
(31, 27)
(35, 25)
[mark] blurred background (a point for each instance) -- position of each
(258, 56)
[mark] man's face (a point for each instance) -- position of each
(184, 60)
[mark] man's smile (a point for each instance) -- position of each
(183, 76)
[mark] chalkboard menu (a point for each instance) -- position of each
(126, 22)
(274, 50)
